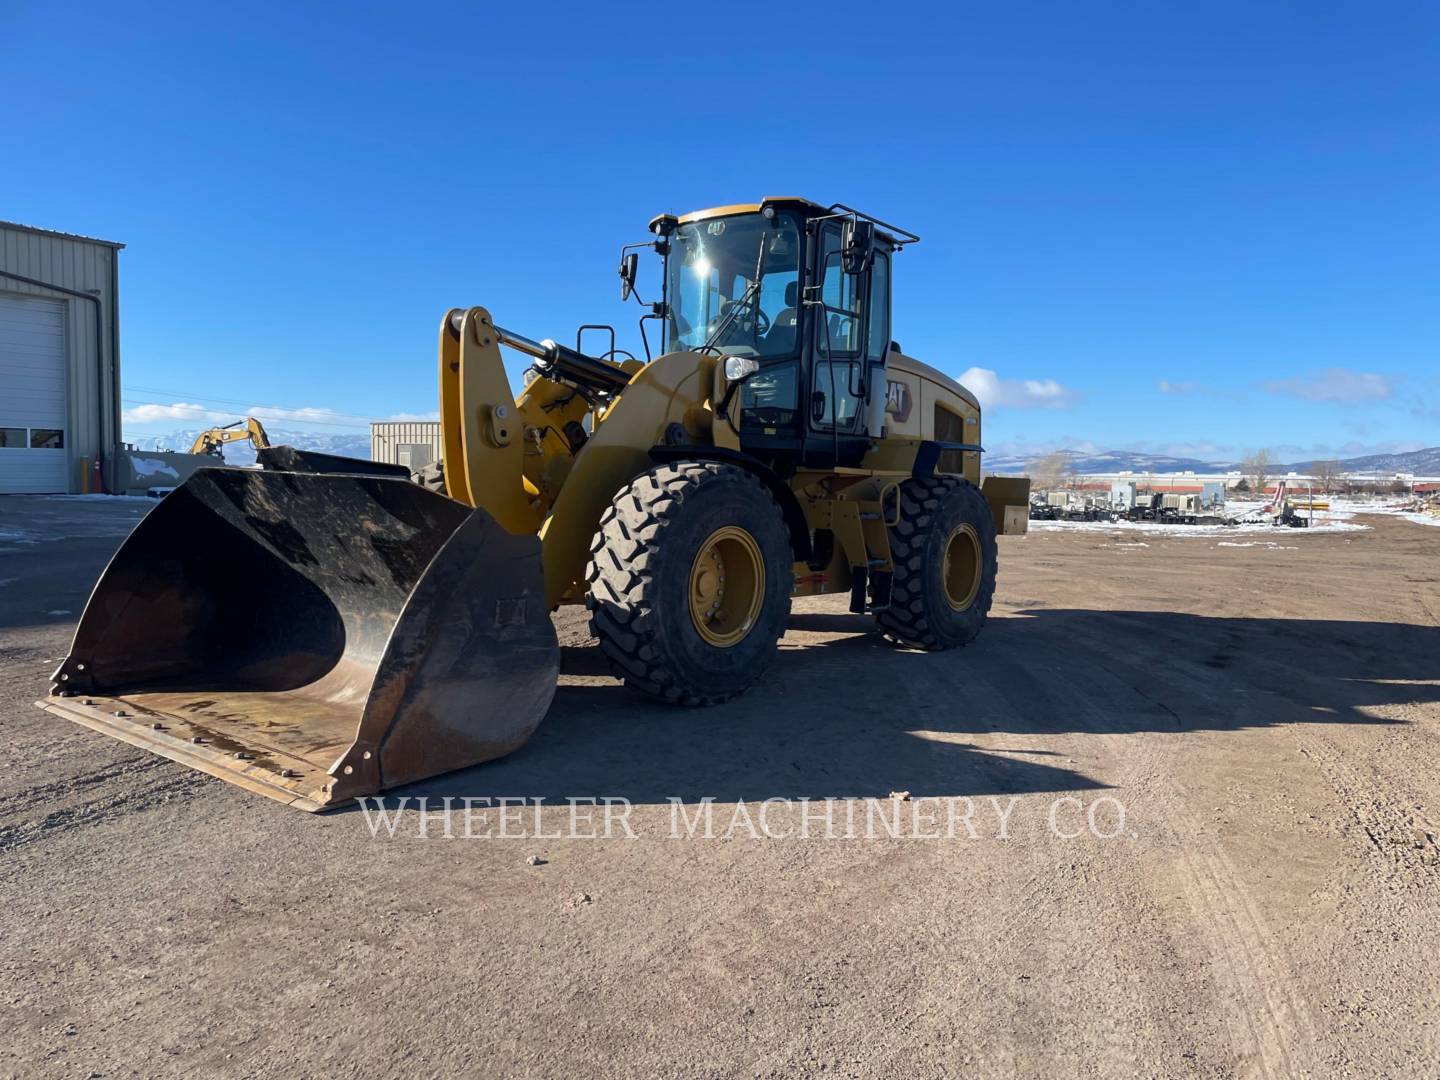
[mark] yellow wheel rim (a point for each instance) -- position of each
(727, 586)
(962, 566)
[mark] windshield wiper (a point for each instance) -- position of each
(739, 305)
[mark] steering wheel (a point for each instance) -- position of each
(762, 321)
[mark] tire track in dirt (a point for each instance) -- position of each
(1047, 888)
(130, 786)
(1140, 770)
(1278, 1022)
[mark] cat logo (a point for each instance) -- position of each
(897, 400)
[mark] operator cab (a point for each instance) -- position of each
(803, 291)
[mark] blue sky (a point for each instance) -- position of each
(1196, 228)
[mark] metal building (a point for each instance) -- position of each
(59, 361)
(412, 443)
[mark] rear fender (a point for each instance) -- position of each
(1009, 500)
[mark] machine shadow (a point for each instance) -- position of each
(856, 716)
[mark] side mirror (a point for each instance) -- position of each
(857, 245)
(629, 267)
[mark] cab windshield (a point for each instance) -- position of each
(734, 285)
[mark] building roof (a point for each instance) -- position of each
(62, 235)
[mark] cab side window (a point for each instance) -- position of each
(878, 343)
(841, 296)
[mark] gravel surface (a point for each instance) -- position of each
(1266, 903)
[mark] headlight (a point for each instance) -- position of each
(740, 367)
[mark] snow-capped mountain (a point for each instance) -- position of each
(1416, 462)
(357, 445)
(346, 444)
(1107, 461)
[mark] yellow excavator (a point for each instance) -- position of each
(283, 458)
(212, 441)
(338, 634)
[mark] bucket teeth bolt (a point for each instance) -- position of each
(198, 739)
(121, 712)
(243, 756)
(158, 727)
(289, 774)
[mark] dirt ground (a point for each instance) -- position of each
(1265, 903)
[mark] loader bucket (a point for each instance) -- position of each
(314, 637)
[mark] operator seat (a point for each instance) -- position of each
(781, 338)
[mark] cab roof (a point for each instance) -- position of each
(894, 235)
(751, 208)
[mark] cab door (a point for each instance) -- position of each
(836, 353)
(849, 340)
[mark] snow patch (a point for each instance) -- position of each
(153, 467)
(1269, 545)
(99, 498)
(1153, 528)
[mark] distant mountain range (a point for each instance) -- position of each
(346, 444)
(1108, 461)
(1417, 462)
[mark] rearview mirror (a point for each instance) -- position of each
(629, 267)
(857, 245)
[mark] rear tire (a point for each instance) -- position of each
(690, 578)
(944, 553)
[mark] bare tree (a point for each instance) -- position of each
(1328, 474)
(1050, 472)
(1257, 467)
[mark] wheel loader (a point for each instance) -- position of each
(315, 636)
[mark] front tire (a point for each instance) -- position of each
(944, 553)
(690, 578)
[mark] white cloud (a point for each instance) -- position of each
(401, 417)
(192, 414)
(1334, 384)
(303, 416)
(1168, 387)
(995, 392)
(180, 410)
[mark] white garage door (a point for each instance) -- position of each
(32, 395)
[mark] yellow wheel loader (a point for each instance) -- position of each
(316, 635)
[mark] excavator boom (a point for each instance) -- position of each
(210, 442)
